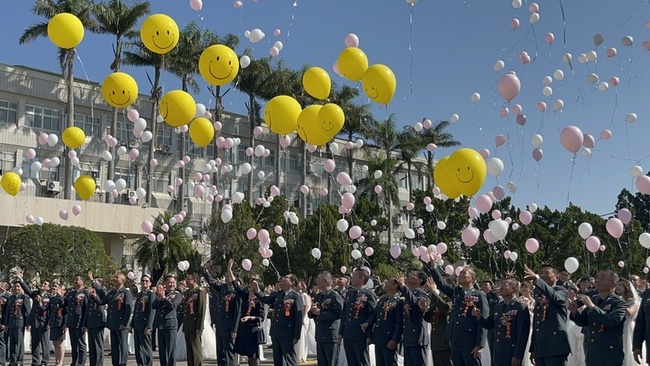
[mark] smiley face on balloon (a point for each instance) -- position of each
(379, 83)
(119, 89)
(177, 108)
(159, 33)
(466, 171)
(218, 64)
(281, 114)
(331, 119)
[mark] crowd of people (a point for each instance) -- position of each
(421, 318)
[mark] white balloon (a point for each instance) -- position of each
(547, 80)
(55, 161)
(513, 255)
(644, 240)
(476, 97)
(259, 150)
(52, 139)
(441, 225)
(140, 124)
(586, 152)
(636, 171)
(454, 118)
(265, 262)
(592, 56)
(516, 4)
(585, 230)
(282, 243)
(245, 169)
(315, 252)
(603, 86)
(226, 216)
(582, 58)
(409, 233)
(200, 110)
(75, 161)
(106, 155)
(121, 150)
(189, 231)
(499, 228)
(378, 174)
(334, 147)
(278, 45)
(499, 65)
(244, 61)
(261, 174)
(571, 264)
(356, 254)
(537, 140)
(359, 143)
(495, 166)
(631, 117)
(141, 192)
(592, 78)
(558, 75)
(40, 221)
(534, 18)
(36, 166)
(342, 225)
(547, 91)
(532, 207)
(120, 184)
(567, 58)
(109, 185)
(558, 105)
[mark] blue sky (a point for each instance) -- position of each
(453, 48)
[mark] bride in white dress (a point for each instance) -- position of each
(631, 297)
(208, 338)
(303, 344)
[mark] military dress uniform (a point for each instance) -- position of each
(415, 337)
(438, 316)
(388, 318)
(549, 341)
(493, 300)
(39, 331)
(285, 325)
(4, 299)
(228, 316)
(357, 309)
(15, 319)
(167, 324)
(119, 304)
(57, 318)
(142, 323)
(465, 333)
(194, 308)
(327, 323)
(604, 323)
(76, 302)
(511, 323)
(95, 324)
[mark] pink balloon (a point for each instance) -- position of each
(63, 214)
(285, 141)
(521, 119)
(469, 236)
(525, 217)
(324, 192)
(304, 189)
(146, 226)
(646, 45)
(509, 86)
(499, 140)
(496, 214)
(275, 191)
(441, 248)
(621, 263)
(164, 227)
(395, 251)
(160, 237)
(349, 145)
(343, 269)
(246, 264)
(549, 37)
(42, 139)
(484, 203)
(538, 154)
(431, 147)
(351, 40)
(524, 58)
(514, 23)
(329, 165)
(541, 106)
(613, 81)
(614, 227)
(606, 135)
(491, 195)
(30, 153)
(348, 200)
(571, 138)
(274, 51)
(643, 184)
(343, 179)
(410, 206)
(504, 112)
(593, 244)
(532, 245)
(257, 131)
(76, 210)
(112, 142)
(449, 269)
(426, 200)
(588, 141)
(263, 235)
(335, 68)
(151, 237)
(646, 270)
(499, 192)
(72, 154)
(278, 229)
(533, 8)
(506, 254)
(355, 232)
(378, 189)
(516, 109)
(611, 52)
(485, 153)
(196, 5)
(311, 148)
(133, 114)
(277, 32)
(472, 212)
(251, 233)
(369, 251)
(133, 154)
(624, 215)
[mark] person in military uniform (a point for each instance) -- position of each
(142, 323)
(56, 320)
(287, 319)
(493, 299)
(119, 304)
(165, 304)
(549, 344)
(356, 319)
(604, 318)
(228, 315)
(14, 319)
(466, 335)
(510, 320)
(76, 303)
(388, 318)
(194, 308)
(415, 337)
(438, 316)
(95, 324)
(4, 298)
(39, 331)
(326, 310)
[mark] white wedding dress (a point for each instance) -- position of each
(208, 339)
(302, 347)
(628, 331)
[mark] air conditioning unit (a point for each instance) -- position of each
(133, 143)
(94, 174)
(310, 209)
(167, 148)
(308, 168)
(53, 186)
(130, 194)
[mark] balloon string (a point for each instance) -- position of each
(566, 53)
(573, 164)
(521, 152)
(478, 121)
(611, 123)
(91, 90)
(627, 140)
(532, 29)
(293, 17)
(410, 53)
(629, 82)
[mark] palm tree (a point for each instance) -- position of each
(163, 257)
(140, 56)
(48, 9)
(120, 20)
(409, 147)
(438, 136)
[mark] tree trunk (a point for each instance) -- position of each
(218, 112)
(67, 190)
(429, 171)
(155, 100)
(110, 174)
(390, 222)
(251, 160)
(180, 195)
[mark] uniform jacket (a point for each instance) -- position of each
(438, 316)
(40, 303)
(357, 309)
(287, 313)
(96, 317)
(229, 311)
(388, 319)
(17, 310)
(250, 305)
(511, 323)
(415, 331)
(4, 298)
(76, 304)
(57, 313)
(604, 323)
(143, 312)
(166, 310)
(119, 304)
(194, 301)
(464, 329)
(328, 321)
(215, 297)
(549, 321)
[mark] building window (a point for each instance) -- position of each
(7, 162)
(88, 124)
(270, 160)
(295, 162)
(42, 118)
(164, 137)
(160, 184)
(27, 169)
(8, 111)
(124, 173)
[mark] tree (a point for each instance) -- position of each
(120, 20)
(56, 252)
(48, 9)
(162, 257)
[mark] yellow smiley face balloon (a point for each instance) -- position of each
(119, 90)
(177, 108)
(159, 33)
(331, 119)
(379, 83)
(65, 30)
(281, 114)
(352, 62)
(73, 137)
(11, 183)
(440, 179)
(218, 64)
(466, 171)
(308, 128)
(85, 187)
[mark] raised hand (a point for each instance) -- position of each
(476, 312)
(529, 272)
(400, 279)
(431, 284)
